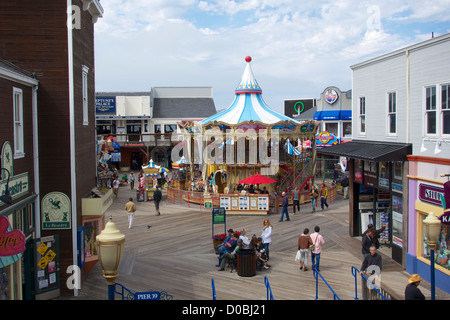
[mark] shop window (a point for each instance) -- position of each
(91, 229)
(442, 252)
(332, 127)
(347, 129)
(169, 128)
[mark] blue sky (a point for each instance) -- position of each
(298, 47)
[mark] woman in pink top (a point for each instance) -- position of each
(318, 241)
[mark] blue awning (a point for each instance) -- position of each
(333, 115)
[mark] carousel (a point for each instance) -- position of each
(251, 152)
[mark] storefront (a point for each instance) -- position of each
(377, 190)
(426, 188)
(17, 264)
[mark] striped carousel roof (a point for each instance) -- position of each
(248, 104)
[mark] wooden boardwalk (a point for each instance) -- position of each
(176, 255)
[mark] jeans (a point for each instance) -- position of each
(284, 211)
(296, 203)
(323, 201)
(313, 202)
(315, 260)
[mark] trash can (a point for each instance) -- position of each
(246, 263)
(140, 195)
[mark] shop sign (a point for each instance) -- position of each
(56, 211)
(431, 194)
(445, 218)
(331, 96)
(326, 139)
(18, 184)
(11, 242)
(105, 105)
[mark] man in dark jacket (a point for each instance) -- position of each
(366, 242)
(372, 262)
(157, 195)
(284, 207)
(412, 292)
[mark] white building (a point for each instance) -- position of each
(143, 122)
(400, 149)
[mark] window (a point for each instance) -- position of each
(18, 123)
(445, 107)
(392, 113)
(157, 128)
(430, 109)
(347, 129)
(362, 114)
(85, 95)
(169, 128)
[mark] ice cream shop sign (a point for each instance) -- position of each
(12, 242)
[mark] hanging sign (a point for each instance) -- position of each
(56, 212)
(11, 242)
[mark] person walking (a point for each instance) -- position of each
(130, 208)
(412, 292)
(266, 236)
(318, 241)
(313, 195)
(284, 207)
(304, 241)
(116, 184)
(323, 196)
(131, 178)
(295, 199)
(157, 195)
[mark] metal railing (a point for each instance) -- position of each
(269, 290)
(370, 292)
(315, 273)
(213, 286)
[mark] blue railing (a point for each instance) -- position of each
(356, 272)
(269, 290)
(124, 292)
(315, 273)
(213, 286)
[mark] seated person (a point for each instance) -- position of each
(228, 256)
(228, 246)
(230, 232)
(259, 251)
(244, 238)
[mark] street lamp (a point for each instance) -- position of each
(110, 244)
(432, 231)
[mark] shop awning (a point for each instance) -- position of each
(370, 150)
(333, 115)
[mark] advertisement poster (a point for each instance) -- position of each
(47, 264)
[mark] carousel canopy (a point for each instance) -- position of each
(248, 104)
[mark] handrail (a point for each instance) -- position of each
(269, 290)
(297, 177)
(315, 272)
(355, 272)
(213, 286)
(129, 296)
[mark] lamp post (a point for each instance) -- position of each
(432, 231)
(110, 243)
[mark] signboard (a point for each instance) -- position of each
(326, 139)
(56, 211)
(263, 203)
(244, 203)
(152, 295)
(18, 184)
(47, 264)
(225, 202)
(105, 105)
(297, 107)
(431, 194)
(12, 242)
(218, 215)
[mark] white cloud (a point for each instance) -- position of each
(298, 48)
